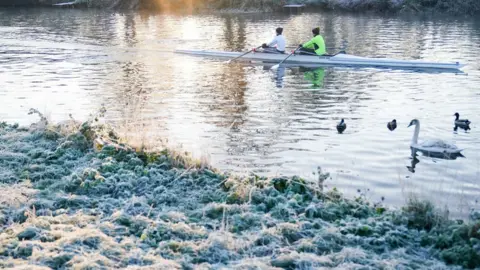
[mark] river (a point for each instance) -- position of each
(246, 118)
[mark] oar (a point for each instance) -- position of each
(242, 55)
(278, 65)
(327, 48)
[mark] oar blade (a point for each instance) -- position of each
(281, 62)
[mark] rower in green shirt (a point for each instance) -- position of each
(315, 46)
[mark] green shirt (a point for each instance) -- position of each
(317, 43)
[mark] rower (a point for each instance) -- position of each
(316, 46)
(277, 45)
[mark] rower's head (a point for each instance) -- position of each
(316, 31)
(279, 31)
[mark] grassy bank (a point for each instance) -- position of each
(72, 196)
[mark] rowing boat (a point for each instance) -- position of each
(339, 59)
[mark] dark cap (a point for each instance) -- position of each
(316, 30)
(279, 30)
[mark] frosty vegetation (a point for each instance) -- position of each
(72, 196)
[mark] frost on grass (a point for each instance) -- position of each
(77, 198)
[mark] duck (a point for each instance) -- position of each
(431, 146)
(341, 126)
(466, 128)
(392, 125)
(461, 122)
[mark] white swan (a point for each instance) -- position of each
(431, 146)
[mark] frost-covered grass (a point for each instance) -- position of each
(77, 198)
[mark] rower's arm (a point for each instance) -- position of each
(308, 44)
(273, 42)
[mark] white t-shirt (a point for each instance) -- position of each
(279, 41)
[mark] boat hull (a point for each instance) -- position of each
(339, 59)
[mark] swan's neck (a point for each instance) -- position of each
(457, 117)
(415, 134)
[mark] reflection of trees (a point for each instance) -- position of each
(234, 33)
(64, 23)
(130, 34)
(132, 80)
(131, 91)
(230, 96)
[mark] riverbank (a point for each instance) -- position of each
(467, 7)
(72, 195)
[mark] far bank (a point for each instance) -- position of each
(453, 7)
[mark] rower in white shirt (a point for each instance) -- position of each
(277, 45)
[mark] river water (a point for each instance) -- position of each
(246, 118)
